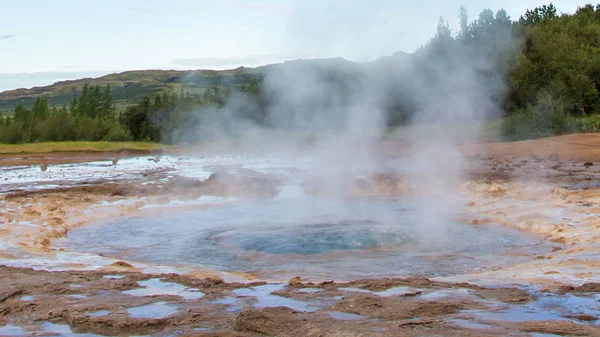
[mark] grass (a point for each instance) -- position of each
(81, 146)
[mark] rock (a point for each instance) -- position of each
(506, 295)
(588, 164)
(584, 318)
(560, 327)
(554, 157)
(43, 166)
(115, 160)
(280, 321)
(45, 243)
(121, 264)
(589, 288)
(294, 281)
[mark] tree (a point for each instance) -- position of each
(463, 17)
(73, 105)
(40, 108)
(539, 15)
(106, 109)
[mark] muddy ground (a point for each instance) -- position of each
(103, 303)
(53, 158)
(550, 188)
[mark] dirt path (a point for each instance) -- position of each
(576, 147)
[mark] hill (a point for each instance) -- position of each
(130, 86)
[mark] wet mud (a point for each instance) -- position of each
(111, 304)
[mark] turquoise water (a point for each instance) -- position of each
(306, 236)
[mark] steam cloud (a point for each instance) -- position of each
(344, 109)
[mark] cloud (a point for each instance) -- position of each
(6, 37)
(236, 61)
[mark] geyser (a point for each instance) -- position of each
(308, 236)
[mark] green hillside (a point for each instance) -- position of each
(131, 86)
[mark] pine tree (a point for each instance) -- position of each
(107, 109)
(73, 105)
(464, 24)
(83, 103)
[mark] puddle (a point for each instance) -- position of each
(436, 295)
(157, 287)
(63, 330)
(379, 329)
(463, 323)
(232, 302)
(26, 298)
(546, 307)
(342, 316)
(75, 285)
(156, 310)
(309, 290)
(77, 296)
(518, 314)
(98, 313)
(396, 291)
(11, 330)
(266, 300)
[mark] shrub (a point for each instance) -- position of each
(117, 133)
(548, 117)
(590, 124)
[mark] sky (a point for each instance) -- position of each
(43, 41)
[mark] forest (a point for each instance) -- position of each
(541, 73)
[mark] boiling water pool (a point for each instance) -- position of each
(307, 236)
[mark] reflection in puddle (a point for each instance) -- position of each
(98, 313)
(309, 290)
(77, 296)
(518, 314)
(463, 323)
(342, 316)
(436, 295)
(11, 330)
(155, 310)
(63, 330)
(266, 299)
(231, 302)
(396, 291)
(26, 298)
(546, 307)
(157, 287)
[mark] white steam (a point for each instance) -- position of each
(336, 112)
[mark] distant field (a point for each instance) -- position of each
(81, 147)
